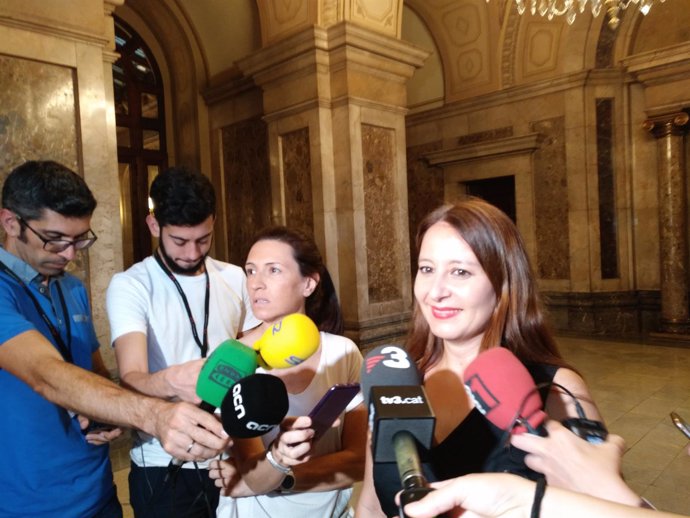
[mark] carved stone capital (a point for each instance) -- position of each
(668, 124)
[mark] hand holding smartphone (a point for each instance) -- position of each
(331, 405)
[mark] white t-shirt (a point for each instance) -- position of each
(144, 299)
(340, 362)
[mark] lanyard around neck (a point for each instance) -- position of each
(65, 349)
(203, 345)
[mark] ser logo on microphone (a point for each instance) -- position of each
(294, 360)
(399, 400)
(224, 375)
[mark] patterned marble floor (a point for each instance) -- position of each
(635, 387)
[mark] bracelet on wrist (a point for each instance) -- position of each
(285, 470)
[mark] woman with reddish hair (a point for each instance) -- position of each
(474, 290)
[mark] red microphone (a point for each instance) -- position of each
(503, 390)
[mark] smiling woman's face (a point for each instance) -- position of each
(451, 288)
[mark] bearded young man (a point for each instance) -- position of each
(167, 313)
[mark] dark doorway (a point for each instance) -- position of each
(499, 191)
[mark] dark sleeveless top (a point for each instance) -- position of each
(474, 446)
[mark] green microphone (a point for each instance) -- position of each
(228, 363)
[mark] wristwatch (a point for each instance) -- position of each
(288, 482)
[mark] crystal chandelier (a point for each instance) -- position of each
(570, 8)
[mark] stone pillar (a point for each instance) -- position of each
(669, 130)
(335, 102)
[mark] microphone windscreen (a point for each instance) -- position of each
(229, 362)
(501, 386)
(254, 406)
(387, 365)
(288, 342)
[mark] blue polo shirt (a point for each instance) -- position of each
(47, 469)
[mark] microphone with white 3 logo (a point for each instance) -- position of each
(400, 417)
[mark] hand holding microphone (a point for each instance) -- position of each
(578, 454)
(255, 406)
(571, 463)
(229, 362)
(288, 342)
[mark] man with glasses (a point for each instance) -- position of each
(48, 348)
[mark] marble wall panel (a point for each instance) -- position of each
(551, 200)
(608, 238)
(38, 118)
(384, 254)
(248, 184)
(425, 188)
(296, 167)
(37, 113)
(605, 47)
(617, 313)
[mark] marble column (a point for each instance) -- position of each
(334, 99)
(670, 130)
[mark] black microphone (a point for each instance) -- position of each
(254, 406)
(399, 416)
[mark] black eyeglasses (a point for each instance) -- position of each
(60, 245)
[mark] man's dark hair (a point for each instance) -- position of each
(182, 197)
(38, 185)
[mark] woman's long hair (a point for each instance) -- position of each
(517, 322)
(322, 305)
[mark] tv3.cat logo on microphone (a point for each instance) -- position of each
(225, 374)
(399, 400)
(483, 398)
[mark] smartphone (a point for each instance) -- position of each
(97, 427)
(330, 406)
(681, 424)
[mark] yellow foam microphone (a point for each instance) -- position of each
(288, 342)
